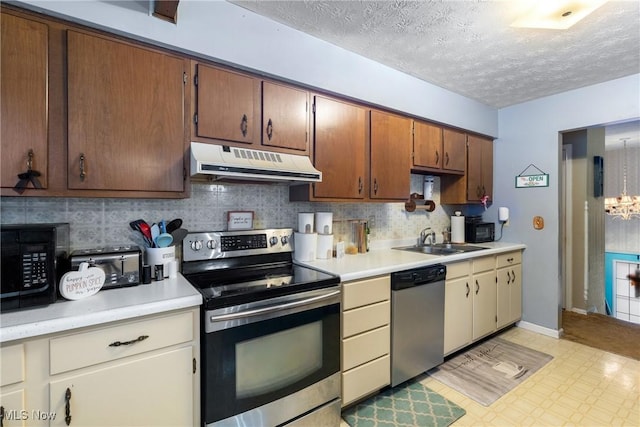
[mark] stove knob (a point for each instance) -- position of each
(284, 240)
(273, 240)
(211, 244)
(196, 245)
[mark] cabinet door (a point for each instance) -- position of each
(484, 304)
(479, 168)
(458, 318)
(126, 116)
(151, 391)
(228, 105)
(285, 117)
(14, 410)
(509, 295)
(390, 156)
(427, 145)
(339, 149)
(23, 95)
(455, 150)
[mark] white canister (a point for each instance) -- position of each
(325, 246)
(305, 222)
(324, 222)
(157, 256)
(305, 246)
(457, 228)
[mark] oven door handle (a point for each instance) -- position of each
(271, 309)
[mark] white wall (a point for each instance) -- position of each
(529, 134)
(227, 33)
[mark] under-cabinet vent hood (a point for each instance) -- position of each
(231, 163)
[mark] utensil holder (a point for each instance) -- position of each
(157, 256)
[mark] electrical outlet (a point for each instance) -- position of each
(506, 223)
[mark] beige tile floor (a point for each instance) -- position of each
(581, 386)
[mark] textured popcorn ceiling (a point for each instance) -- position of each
(469, 48)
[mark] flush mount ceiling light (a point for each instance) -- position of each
(556, 14)
(623, 206)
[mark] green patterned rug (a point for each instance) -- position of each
(408, 405)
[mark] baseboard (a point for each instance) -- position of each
(540, 329)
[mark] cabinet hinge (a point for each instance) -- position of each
(195, 119)
(195, 79)
(184, 78)
(194, 365)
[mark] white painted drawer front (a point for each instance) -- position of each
(509, 258)
(365, 318)
(365, 379)
(365, 347)
(12, 364)
(89, 348)
(363, 292)
(484, 264)
(458, 269)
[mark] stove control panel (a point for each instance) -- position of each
(199, 246)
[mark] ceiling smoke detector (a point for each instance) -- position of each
(557, 15)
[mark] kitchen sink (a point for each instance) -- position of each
(441, 249)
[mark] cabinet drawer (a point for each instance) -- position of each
(458, 269)
(365, 347)
(509, 258)
(365, 379)
(365, 318)
(484, 264)
(92, 347)
(363, 292)
(11, 364)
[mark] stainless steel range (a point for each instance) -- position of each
(270, 331)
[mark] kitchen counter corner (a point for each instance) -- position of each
(105, 306)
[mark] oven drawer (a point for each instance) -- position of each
(364, 379)
(11, 364)
(364, 347)
(365, 318)
(363, 292)
(90, 348)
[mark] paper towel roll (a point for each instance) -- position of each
(305, 246)
(305, 222)
(325, 246)
(457, 228)
(324, 222)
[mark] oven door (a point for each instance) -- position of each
(257, 355)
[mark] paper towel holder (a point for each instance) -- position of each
(417, 201)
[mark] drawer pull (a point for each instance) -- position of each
(67, 406)
(467, 295)
(119, 343)
(477, 287)
(509, 259)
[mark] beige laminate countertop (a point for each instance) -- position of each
(384, 261)
(106, 306)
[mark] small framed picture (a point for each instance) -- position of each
(240, 220)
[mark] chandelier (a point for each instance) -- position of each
(623, 206)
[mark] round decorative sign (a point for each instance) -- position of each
(83, 283)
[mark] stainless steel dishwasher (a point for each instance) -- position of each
(417, 321)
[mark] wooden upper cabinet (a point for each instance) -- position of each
(23, 94)
(285, 117)
(427, 145)
(228, 105)
(480, 168)
(125, 116)
(390, 156)
(454, 145)
(339, 149)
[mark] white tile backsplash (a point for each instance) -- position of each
(99, 222)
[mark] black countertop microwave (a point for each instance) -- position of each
(479, 232)
(34, 258)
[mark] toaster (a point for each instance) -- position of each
(121, 264)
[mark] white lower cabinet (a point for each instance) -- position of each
(482, 295)
(138, 372)
(366, 339)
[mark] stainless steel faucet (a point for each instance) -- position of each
(425, 234)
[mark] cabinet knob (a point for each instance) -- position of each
(67, 406)
(244, 124)
(468, 290)
(446, 157)
(269, 129)
(360, 185)
(437, 158)
(477, 287)
(375, 186)
(83, 173)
